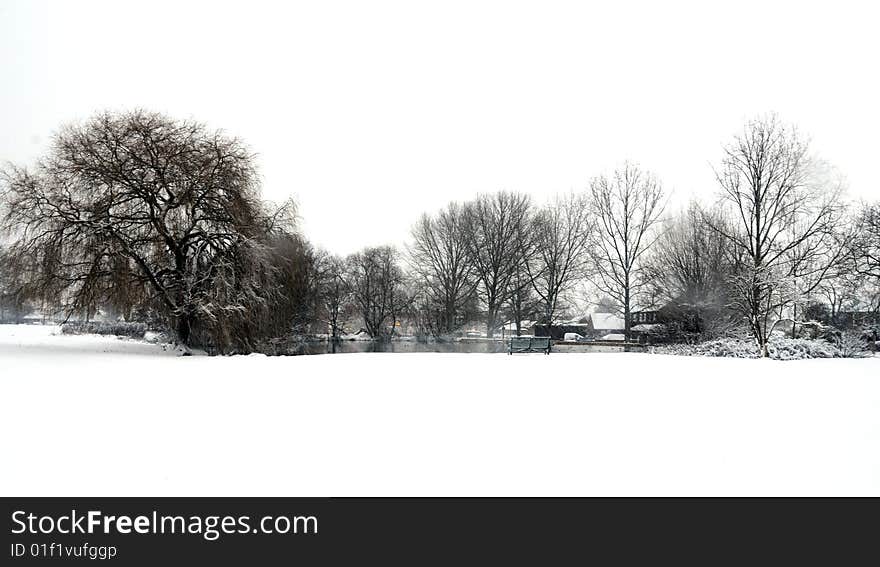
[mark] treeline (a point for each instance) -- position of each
(159, 220)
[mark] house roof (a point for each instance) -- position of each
(607, 321)
(523, 325)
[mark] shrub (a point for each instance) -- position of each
(853, 346)
(734, 348)
(119, 328)
(780, 348)
(799, 349)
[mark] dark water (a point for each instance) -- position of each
(346, 347)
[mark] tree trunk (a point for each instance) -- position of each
(184, 329)
(626, 319)
(762, 338)
(759, 329)
(490, 321)
(449, 316)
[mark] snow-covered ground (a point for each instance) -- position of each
(88, 415)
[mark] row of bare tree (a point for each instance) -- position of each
(520, 261)
(778, 240)
(153, 218)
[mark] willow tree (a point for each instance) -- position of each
(158, 206)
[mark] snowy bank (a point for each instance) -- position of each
(85, 415)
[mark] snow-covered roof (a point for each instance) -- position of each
(607, 321)
(524, 324)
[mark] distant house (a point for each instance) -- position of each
(605, 322)
(592, 325)
(558, 331)
(644, 317)
(525, 326)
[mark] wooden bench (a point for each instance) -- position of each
(529, 344)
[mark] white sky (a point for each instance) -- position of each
(370, 113)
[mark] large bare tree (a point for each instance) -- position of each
(557, 253)
(495, 224)
(440, 259)
(627, 206)
(377, 287)
(169, 206)
(783, 213)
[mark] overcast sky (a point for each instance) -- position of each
(370, 113)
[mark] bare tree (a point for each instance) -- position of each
(845, 291)
(334, 293)
(439, 257)
(866, 245)
(783, 218)
(376, 282)
(169, 205)
(866, 255)
(627, 206)
(521, 300)
(558, 251)
(688, 270)
(821, 267)
(688, 260)
(494, 225)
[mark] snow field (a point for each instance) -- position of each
(90, 415)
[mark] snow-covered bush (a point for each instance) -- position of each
(814, 330)
(779, 348)
(734, 348)
(870, 336)
(853, 346)
(120, 328)
(798, 349)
